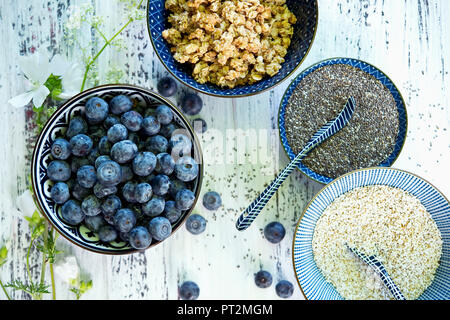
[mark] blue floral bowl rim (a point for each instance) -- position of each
(241, 95)
(336, 181)
(336, 60)
(61, 110)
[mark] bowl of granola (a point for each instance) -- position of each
(232, 48)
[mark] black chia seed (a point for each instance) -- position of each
(367, 140)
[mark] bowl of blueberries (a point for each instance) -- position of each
(117, 169)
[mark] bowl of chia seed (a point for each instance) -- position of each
(375, 135)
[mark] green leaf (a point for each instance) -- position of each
(32, 288)
(3, 253)
(53, 83)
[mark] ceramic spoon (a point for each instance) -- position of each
(331, 128)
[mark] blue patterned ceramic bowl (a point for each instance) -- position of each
(403, 119)
(306, 12)
(57, 125)
(310, 278)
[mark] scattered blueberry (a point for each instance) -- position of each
(71, 212)
(120, 104)
(160, 184)
(191, 104)
(60, 149)
(186, 169)
(86, 176)
(111, 204)
(143, 193)
(154, 207)
(94, 223)
(195, 224)
(189, 291)
(60, 192)
(117, 132)
(107, 233)
(124, 151)
(274, 232)
(91, 206)
(151, 126)
(109, 173)
(77, 125)
(81, 145)
(157, 144)
(212, 200)
(160, 228)
(132, 120)
(140, 238)
(164, 164)
(144, 163)
(180, 145)
(167, 86)
(171, 211)
(263, 279)
(199, 125)
(96, 110)
(184, 199)
(58, 170)
(124, 220)
(284, 289)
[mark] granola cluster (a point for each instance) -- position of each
(230, 43)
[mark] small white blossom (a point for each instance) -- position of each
(70, 73)
(67, 270)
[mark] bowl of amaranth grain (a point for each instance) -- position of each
(375, 135)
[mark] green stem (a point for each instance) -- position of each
(28, 265)
(44, 255)
(4, 290)
(52, 276)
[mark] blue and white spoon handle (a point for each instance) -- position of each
(331, 128)
(381, 271)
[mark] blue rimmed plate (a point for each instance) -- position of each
(368, 68)
(306, 12)
(310, 278)
(57, 125)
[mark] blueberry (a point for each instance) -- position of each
(195, 224)
(274, 232)
(132, 120)
(104, 146)
(77, 163)
(185, 199)
(107, 233)
(58, 170)
(81, 145)
(110, 121)
(150, 126)
(168, 130)
(144, 163)
(200, 125)
(140, 238)
(167, 86)
(124, 236)
(110, 205)
(60, 192)
(101, 160)
(120, 104)
(191, 104)
(175, 186)
(164, 114)
(79, 193)
(94, 223)
(91, 206)
(160, 184)
(109, 219)
(102, 191)
(71, 212)
(180, 145)
(61, 149)
(212, 200)
(143, 193)
(263, 279)
(96, 110)
(154, 207)
(186, 169)
(93, 155)
(128, 191)
(160, 228)
(127, 174)
(124, 151)
(124, 220)
(284, 289)
(164, 164)
(189, 291)
(86, 176)
(77, 125)
(109, 173)
(171, 211)
(117, 132)
(157, 144)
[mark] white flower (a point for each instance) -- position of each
(70, 73)
(36, 69)
(26, 204)
(68, 269)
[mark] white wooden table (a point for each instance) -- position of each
(408, 40)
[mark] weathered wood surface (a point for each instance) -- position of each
(407, 39)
